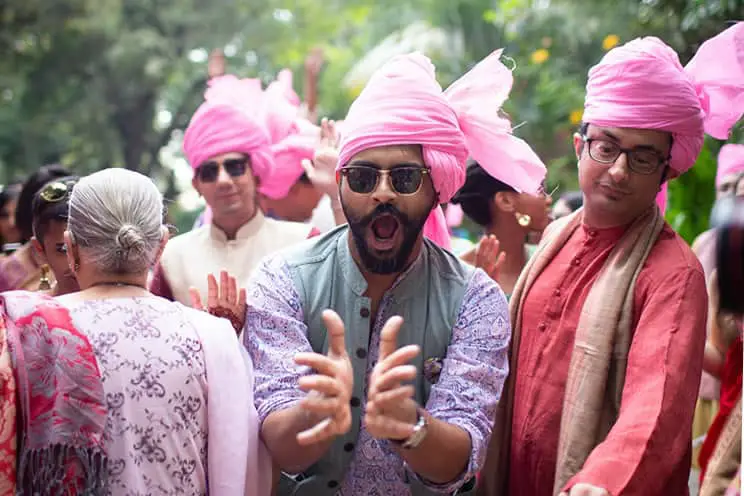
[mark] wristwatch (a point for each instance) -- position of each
(419, 431)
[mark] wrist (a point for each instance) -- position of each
(420, 429)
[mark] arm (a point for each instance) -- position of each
(651, 437)
(463, 402)
(274, 333)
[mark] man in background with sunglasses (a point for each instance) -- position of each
(609, 314)
(404, 345)
(228, 146)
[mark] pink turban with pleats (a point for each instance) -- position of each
(403, 104)
(642, 85)
(730, 162)
(230, 120)
(293, 138)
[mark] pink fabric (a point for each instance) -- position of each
(454, 215)
(643, 85)
(229, 121)
(730, 161)
(403, 104)
(661, 198)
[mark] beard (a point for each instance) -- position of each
(388, 263)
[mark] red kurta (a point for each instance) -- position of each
(648, 450)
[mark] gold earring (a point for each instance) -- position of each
(44, 283)
(523, 219)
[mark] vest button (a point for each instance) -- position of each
(361, 353)
(332, 484)
(364, 312)
(355, 402)
(542, 326)
(348, 447)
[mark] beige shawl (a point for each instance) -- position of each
(725, 462)
(597, 369)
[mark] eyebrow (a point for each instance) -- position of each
(639, 147)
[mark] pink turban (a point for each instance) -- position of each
(730, 161)
(293, 138)
(643, 85)
(403, 104)
(229, 121)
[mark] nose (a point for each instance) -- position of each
(384, 192)
(619, 170)
(223, 176)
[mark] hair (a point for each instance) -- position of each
(477, 193)
(45, 212)
(116, 217)
(574, 200)
(9, 193)
(24, 215)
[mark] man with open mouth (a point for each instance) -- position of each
(402, 346)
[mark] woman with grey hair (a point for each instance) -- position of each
(167, 406)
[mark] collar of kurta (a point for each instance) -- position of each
(247, 231)
(355, 278)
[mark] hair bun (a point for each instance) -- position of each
(129, 238)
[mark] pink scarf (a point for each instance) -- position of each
(403, 104)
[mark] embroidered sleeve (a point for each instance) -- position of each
(474, 371)
(274, 332)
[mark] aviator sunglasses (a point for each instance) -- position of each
(405, 180)
(235, 167)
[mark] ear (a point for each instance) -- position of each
(506, 201)
(196, 184)
(38, 248)
(578, 143)
(163, 242)
(72, 251)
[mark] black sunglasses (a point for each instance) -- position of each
(209, 171)
(56, 191)
(405, 180)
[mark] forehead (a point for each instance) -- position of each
(225, 156)
(632, 138)
(386, 157)
(54, 231)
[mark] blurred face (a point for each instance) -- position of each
(386, 194)
(297, 206)
(8, 231)
(615, 192)
(53, 250)
(739, 190)
(227, 185)
(727, 186)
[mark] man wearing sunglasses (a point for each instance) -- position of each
(229, 150)
(403, 345)
(609, 315)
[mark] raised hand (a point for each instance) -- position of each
(489, 257)
(223, 301)
(322, 169)
(329, 388)
(583, 489)
(391, 410)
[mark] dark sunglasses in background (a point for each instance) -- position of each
(235, 167)
(363, 179)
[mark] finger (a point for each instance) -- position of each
(232, 291)
(384, 427)
(320, 383)
(391, 379)
(320, 363)
(212, 291)
(389, 336)
(195, 298)
(319, 432)
(397, 358)
(320, 406)
(309, 168)
(500, 260)
(224, 283)
(242, 302)
(387, 400)
(335, 328)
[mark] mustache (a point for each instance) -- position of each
(384, 209)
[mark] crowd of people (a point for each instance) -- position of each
(316, 333)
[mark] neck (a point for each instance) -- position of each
(230, 225)
(65, 286)
(600, 220)
(511, 238)
(102, 280)
(377, 284)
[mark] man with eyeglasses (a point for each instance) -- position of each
(402, 346)
(609, 315)
(228, 146)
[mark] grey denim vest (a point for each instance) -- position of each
(428, 297)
